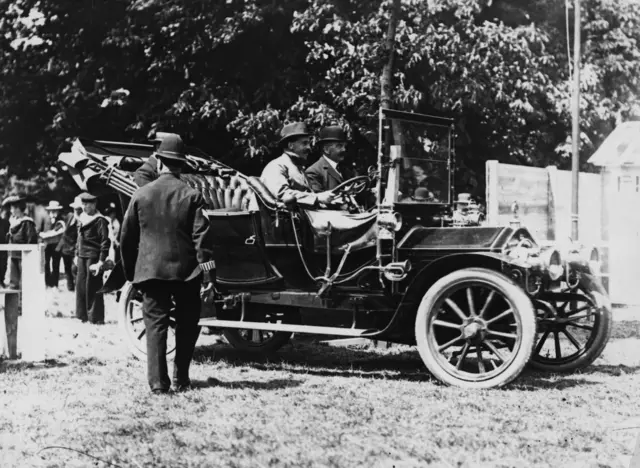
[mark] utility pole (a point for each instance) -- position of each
(575, 160)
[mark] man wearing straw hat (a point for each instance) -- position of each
(166, 254)
(54, 227)
(22, 230)
(285, 177)
(68, 242)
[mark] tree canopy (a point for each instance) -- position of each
(226, 74)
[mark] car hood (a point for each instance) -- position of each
(490, 239)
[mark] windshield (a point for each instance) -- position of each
(419, 153)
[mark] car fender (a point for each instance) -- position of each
(402, 323)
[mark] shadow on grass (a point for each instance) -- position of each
(532, 379)
(275, 384)
(19, 366)
(313, 358)
(610, 369)
(529, 381)
(310, 358)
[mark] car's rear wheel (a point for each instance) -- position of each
(573, 330)
(260, 341)
(132, 324)
(475, 328)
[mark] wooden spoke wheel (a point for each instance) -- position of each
(475, 328)
(258, 341)
(573, 330)
(132, 323)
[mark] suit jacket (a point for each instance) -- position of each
(164, 233)
(69, 239)
(324, 177)
(286, 179)
(21, 231)
(52, 232)
(4, 230)
(93, 237)
(146, 173)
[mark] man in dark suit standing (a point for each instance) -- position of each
(164, 248)
(148, 172)
(325, 174)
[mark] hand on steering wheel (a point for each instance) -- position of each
(346, 191)
(353, 186)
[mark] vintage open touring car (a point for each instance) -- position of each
(479, 302)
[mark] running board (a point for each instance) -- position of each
(207, 322)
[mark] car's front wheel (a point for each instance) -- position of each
(573, 330)
(475, 328)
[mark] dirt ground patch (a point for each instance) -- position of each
(307, 405)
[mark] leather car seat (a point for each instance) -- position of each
(226, 194)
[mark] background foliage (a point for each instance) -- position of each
(226, 74)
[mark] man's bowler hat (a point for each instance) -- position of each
(331, 134)
(293, 130)
(422, 194)
(172, 147)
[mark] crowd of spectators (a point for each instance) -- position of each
(80, 237)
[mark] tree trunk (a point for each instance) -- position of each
(386, 84)
(386, 92)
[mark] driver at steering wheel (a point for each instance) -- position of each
(285, 177)
(325, 174)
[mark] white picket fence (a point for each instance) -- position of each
(25, 336)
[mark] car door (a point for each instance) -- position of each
(238, 248)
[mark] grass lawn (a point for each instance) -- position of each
(307, 405)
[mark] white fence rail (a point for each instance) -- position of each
(25, 335)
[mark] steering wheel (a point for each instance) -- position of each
(350, 187)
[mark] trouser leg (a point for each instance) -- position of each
(47, 264)
(55, 269)
(187, 299)
(67, 260)
(156, 305)
(81, 289)
(16, 273)
(3, 266)
(95, 300)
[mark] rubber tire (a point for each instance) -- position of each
(600, 342)
(123, 322)
(522, 305)
(276, 342)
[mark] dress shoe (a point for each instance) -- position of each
(183, 387)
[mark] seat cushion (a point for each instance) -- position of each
(231, 193)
